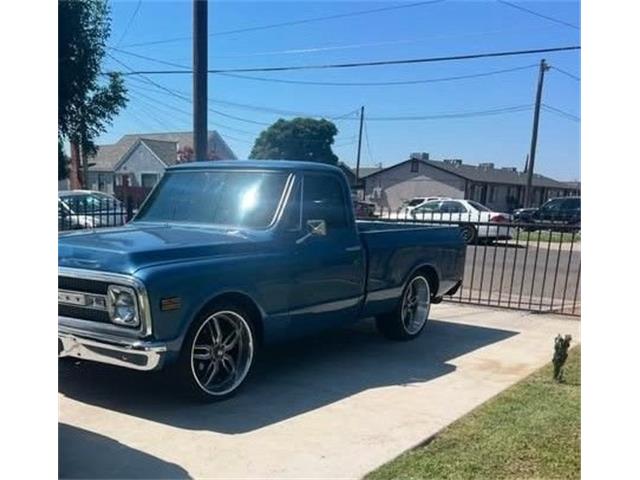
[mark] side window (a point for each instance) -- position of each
(429, 207)
(552, 206)
(452, 207)
(323, 199)
(571, 204)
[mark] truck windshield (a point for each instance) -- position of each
(236, 199)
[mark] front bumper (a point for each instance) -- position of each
(128, 353)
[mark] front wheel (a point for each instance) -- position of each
(217, 354)
(407, 321)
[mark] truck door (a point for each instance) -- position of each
(328, 269)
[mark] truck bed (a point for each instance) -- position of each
(395, 250)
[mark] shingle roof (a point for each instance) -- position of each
(108, 156)
(508, 176)
(366, 171)
(476, 173)
(167, 152)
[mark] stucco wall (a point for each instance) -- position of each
(392, 187)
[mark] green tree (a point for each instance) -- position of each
(298, 139)
(87, 101)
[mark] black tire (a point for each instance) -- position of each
(469, 233)
(185, 368)
(392, 325)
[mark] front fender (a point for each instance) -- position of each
(261, 278)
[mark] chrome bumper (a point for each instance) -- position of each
(128, 353)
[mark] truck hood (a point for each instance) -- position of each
(131, 247)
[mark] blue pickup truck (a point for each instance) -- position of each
(225, 257)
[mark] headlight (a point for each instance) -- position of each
(123, 306)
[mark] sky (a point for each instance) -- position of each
(242, 107)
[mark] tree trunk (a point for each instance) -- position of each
(84, 178)
(74, 167)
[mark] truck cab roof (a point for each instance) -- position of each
(284, 165)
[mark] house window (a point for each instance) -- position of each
(148, 180)
(492, 190)
(415, 165)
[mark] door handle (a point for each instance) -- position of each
(355, 248)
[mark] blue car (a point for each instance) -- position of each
(227, 257)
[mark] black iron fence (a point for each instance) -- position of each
(90, 211)
(510, 263)
(519, 264)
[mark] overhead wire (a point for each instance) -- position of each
(290, 23)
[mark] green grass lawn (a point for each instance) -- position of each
(531, 430)
(546, 236)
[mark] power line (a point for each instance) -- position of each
(364, 64)
(179, 110)
(263, 109)
(340, 84)
(366, 136)
(551, 19)
(386, 83)
(151, 59)
(133, 16)
(290, 23)
(183, 97)
(158, 110)
(189, 114)
(568, 74)
(349, 115)
(561, 113)
(360, 45)
(468, 114)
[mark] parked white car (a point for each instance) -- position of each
(89, 209)
(415, 202)
(476, 221)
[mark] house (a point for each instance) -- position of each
(502, 189)
(137, 161)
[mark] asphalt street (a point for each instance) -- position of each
(536, 276)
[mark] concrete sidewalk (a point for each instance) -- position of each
(335, 406)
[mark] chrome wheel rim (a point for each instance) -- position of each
(221, 353)
(415, 305)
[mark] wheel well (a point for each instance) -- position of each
(241, 300)
(432, 277)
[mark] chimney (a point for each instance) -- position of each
(487, 165)
(510, 169)
(419, 156)
(456, 162)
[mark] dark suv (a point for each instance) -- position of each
(563, 211)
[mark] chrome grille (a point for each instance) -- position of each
(82, 285)
(82, 313)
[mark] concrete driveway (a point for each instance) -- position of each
(334, 406)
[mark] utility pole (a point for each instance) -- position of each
(200, 130)
(534, 134)
(359, 146)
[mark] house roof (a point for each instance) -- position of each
(166, 151)
(366, 171)
(108, 156)
(476, 173)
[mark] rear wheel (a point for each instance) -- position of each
(469, 233)
(407, 321)
(217, 354)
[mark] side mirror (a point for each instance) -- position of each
(315, 228)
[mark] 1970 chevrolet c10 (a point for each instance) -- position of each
(225, 257)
